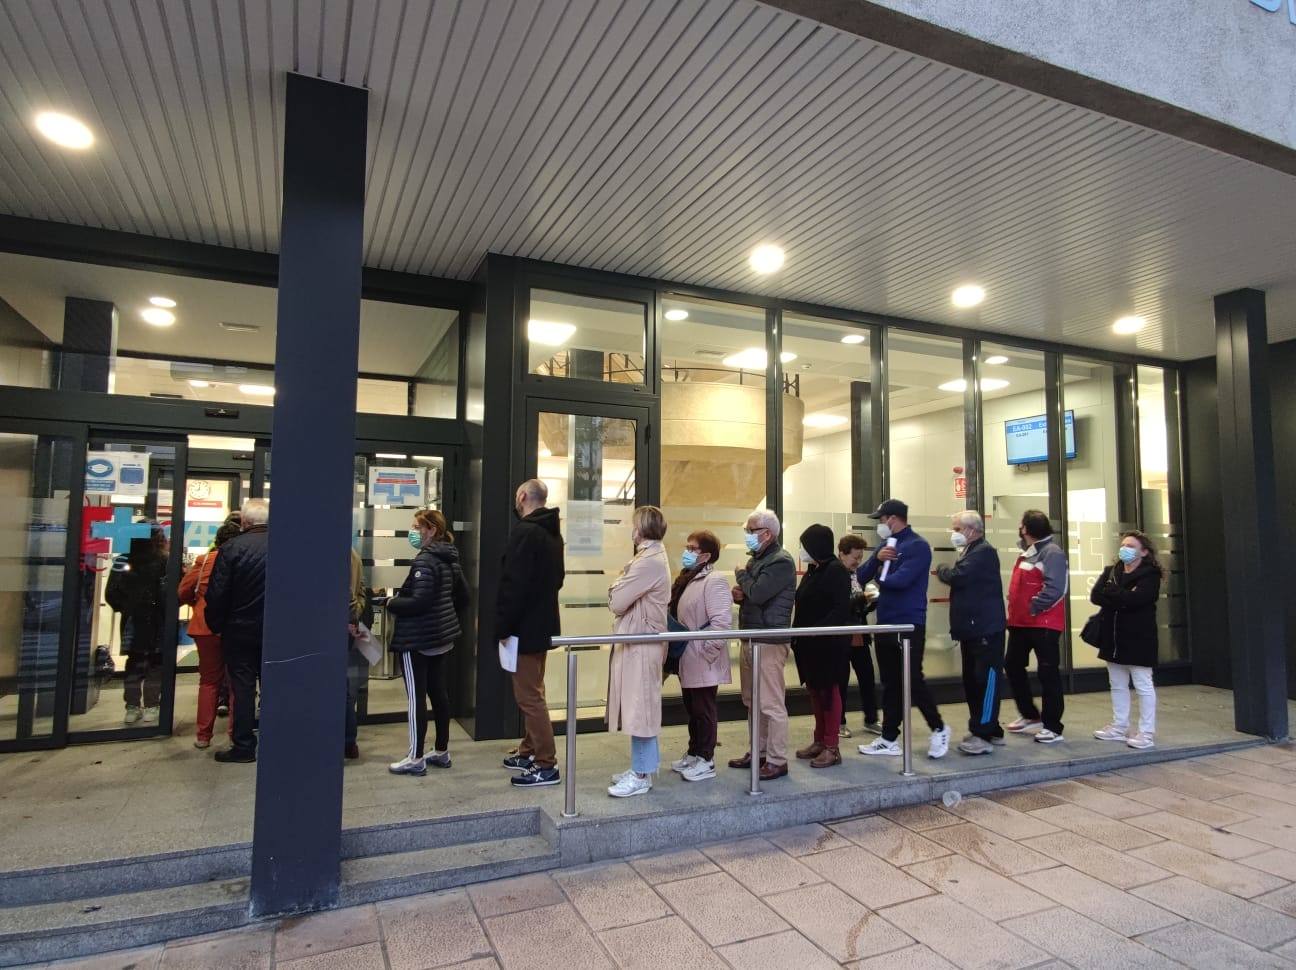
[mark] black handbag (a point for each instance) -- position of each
(1091, 633)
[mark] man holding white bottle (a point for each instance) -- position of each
(900, 568)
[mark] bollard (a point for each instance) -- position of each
(754, 714)
(906, 720)
(569, 804)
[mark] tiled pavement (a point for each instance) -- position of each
(1186, 864)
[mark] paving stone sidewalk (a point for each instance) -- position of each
(1184, 864)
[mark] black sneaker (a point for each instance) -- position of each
(520, 762)
(236, 756)
(536, 777)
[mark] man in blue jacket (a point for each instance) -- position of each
(900, 567)
(977, 622)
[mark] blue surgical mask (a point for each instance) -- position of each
(1127, 554)
(958, 540)
(688, 559)
(415, 540)
(883, 531)
(753, 544)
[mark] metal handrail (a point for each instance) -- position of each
(575, 645)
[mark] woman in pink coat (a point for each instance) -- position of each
(700, 600)
(638, 600)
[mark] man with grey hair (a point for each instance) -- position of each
(236, 611)
(977, 622)
(765, 591)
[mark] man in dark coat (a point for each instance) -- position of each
(236, 610)
(977, 622)
(526, 607)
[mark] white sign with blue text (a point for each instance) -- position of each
(122, 473)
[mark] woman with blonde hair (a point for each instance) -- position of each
(639, 600)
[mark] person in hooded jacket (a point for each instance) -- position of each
(136, 590)
(1127, 594)
(822, 599)
(427, 611)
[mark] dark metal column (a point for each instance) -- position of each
(863, 456)
(298, 826)
(1249, 499)
(972, 429)
(774, 411)
(85, 359)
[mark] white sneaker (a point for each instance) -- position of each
(883, 747)
(699, 771)
(1111, 733)
(1141, 741)
(685, 763)
(617, 778)
(1023, 725)
(631, 784)
(151, 715)
(939, 745)
(1048, 737)
(408, 766)
(133, 714)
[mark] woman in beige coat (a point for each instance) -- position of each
(639, 600)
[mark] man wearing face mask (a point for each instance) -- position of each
(1036, 614)
(765, 591)
(526, 607)
(900, 568)
(977, 622)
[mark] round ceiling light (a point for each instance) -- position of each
(1129, 325)
(996, 359)
(157, 316)
(163, 301)
(766, 259)
(64, 130)
(968, 296)
(854, 338)
(676, 315)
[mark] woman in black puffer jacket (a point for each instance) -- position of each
(426, 611)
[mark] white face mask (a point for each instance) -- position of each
(805, 556)
(958, 540)
(883, 531)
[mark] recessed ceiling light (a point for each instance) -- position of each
(969, 295)
(854, 338)
(960, 385)
(197, 383)
(996, 359)
(822, 420)
(766, 259)
(754, 358)
(676, 315)
(257, 390)
(163, 301)
(157, 316)
(1129, 325)
(64, 130)
(549, 334)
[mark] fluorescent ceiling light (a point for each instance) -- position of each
(64, 130)
(257, 390)
(754, 358)
(676, 315)
(854, 338)
(766, 259)
(1129, 325)
(397, 457)
(163, 301)
(549, 334)
(996, 359)
(967, 296)
(211, 442)
(157, 316)
(822, 420)
(197, 383)
(960, 385)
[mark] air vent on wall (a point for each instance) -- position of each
(239, 327)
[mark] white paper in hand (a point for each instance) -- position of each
(886, 566)
(508, 654)
(369, 648)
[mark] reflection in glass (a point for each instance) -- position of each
(1160, 516)
(585, 337)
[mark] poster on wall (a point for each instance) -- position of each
(584, 528)
(123, 473)
(403, 488)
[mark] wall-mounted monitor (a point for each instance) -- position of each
(1027, 439)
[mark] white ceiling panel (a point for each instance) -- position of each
(662, 138)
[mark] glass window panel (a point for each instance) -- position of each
(35, 473)
(1160, 518)
(713, 455)
(586, 337)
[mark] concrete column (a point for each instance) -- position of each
(1251, 582)
(297, 834)
(85, 361)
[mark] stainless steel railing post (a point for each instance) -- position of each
(755, 717)
(569, 803)
(906, 718)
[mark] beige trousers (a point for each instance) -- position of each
(773, 700)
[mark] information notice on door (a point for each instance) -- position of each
(584, 528)
(403, 488)
(123, 473)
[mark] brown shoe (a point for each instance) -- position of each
(805, 754)
(827, 758)
(770, 772)
(744, 761)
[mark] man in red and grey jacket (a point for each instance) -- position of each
(1036, 615)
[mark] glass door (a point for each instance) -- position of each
(594, 460)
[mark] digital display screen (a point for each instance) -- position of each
(1027, 439)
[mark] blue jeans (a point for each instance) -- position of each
(644, 756)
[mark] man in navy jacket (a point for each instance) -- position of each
(900, 569)
(977, 622)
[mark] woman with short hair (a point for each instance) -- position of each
(639, 600)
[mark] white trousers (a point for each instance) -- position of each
(1119, 675)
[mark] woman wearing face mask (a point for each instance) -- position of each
(639, 600)
(822, 599)
(1127, 592)
(700, 600)
(427, 624)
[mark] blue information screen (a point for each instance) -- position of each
(1027, 439)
